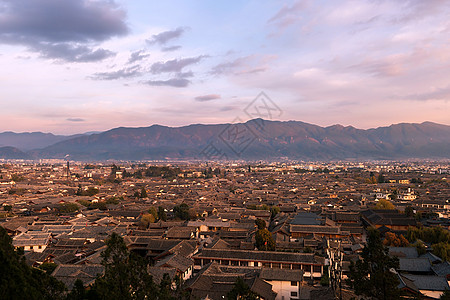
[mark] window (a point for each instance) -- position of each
(293, 294)
(40, 247)
(293, 283)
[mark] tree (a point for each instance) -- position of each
(143, 193)
(48, 267)
(442, 250)
(371, 276)
(260, 223)
(384, 204)
(165, 288)
(125, 274)
(68, 207)
(7, 207)
(153, 212)
(20, 281)
(391, 239)
(409, 211)
(78, 292)
(264, 240)
(162, 214)
(146, 220)
(381, 178)
(181, 211)
(241, 290)
(274, 210)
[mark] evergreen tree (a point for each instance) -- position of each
(125, 275)
(19, 281)
(78, 292)
(162, 214)
(264, 240)
(181, 211)
(371, 276)
(241, 290)
(143, 193)
(260, 223)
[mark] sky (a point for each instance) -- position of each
(77, 66)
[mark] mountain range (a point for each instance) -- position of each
(253, 140)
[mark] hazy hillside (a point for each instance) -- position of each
(265, 140)
(12, 153)
(31, 140)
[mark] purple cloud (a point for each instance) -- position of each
(164, 37)
(207, 97)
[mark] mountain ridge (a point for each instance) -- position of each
(269, 140)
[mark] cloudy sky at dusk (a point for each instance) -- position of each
(82, 65)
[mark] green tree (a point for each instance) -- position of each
(153, 212)
(162, 214)
(78, 291)
(165, 288)
(371, 276)
(241, 290)
(68, 207)
(181, 211)
(420, 246)
(260, 223)
(146, 220)
(48, 267)
(143, 193)
(125, 274)
(442, 250)
(384, 204)
(16, 178)
(274, 210)
(19, 281)
(91, 191)
(264, 240)
(409, 211)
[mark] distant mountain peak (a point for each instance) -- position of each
(275, 140)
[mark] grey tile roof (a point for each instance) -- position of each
(258, 256)
(442, 269)
(429, 282)
(281, 274)
(422, 265)
(176, 261)
(406, 252)
(70, 273)
(306, 218)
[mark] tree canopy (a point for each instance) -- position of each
(20, 281)
(264, 240)
(372, 276)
